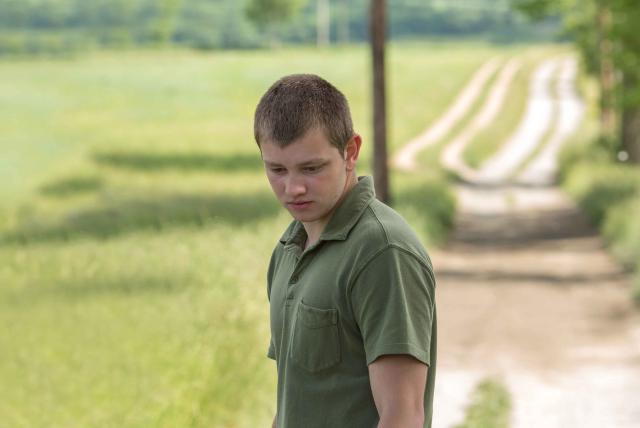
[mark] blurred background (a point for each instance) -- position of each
(136, 223)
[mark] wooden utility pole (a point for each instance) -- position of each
(377, 35)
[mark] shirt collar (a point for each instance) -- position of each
(344, 217)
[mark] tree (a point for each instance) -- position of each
(606, 71)
(165, 22)
(377, 35)
(265, 14)
(606, 34)
(626, 17)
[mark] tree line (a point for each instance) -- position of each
(606, 33)
(32, 26)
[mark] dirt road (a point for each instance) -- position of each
(527, 292)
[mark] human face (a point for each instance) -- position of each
(310, 176)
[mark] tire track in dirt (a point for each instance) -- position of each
(405, 158)
(535, 122)
(451, 157)
(542, 170)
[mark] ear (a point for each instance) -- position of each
(352, 151)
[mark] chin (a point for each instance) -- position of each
(304, 217)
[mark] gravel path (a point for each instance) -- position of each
(527, 293)
(526, 290)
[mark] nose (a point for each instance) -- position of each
(295, 186)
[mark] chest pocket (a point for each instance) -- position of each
(316, 341)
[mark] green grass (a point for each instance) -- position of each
(136, 225)
(144, 330)
(490, 406)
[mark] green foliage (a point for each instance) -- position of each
(622, 229)
(490, 406)
(590, 23)
(211, 24)
(599, 188)
(537, 9)
(428, 203)
(627, 54)
(609, 192)
(265, 13)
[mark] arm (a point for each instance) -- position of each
(398, 383)
(273, 425)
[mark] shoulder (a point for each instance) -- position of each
(382, 229)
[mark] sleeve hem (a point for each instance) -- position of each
(399, 348)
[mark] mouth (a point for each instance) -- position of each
(299, 204)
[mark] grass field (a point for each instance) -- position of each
(136, 225)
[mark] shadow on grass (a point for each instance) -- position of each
(72, 186)
(150, 162)
(82, 288)
(131, 215)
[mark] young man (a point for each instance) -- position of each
(351, 289)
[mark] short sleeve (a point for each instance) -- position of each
(393, 299)
(271, 353)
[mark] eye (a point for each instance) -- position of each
(277, 170)
(311, 169)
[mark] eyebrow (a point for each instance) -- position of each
(318, 161)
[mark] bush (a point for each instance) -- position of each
(37, 44)
(430, 205)
(609, 192)
(600, 187)
(622, 230)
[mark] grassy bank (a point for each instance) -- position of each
(609, 192)
(606, 189)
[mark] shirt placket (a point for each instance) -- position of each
(302, 261)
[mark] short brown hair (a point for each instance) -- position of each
(298, 103)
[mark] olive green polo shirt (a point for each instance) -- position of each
(365, 289)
